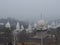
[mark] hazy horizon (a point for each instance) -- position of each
(30, 9)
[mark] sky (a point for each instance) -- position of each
(30, 10)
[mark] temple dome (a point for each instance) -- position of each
(41, 23)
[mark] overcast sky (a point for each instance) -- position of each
(30, 9)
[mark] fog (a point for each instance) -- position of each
(30, 9)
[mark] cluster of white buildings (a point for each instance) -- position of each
(40, 24)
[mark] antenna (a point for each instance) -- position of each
(41, 15)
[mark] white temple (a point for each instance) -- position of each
(41, 24)
(7, 25)
(29, 29)
(41, 29)
(17, 30)
(22, 27)
(18, 26)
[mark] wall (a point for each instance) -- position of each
(28, 43)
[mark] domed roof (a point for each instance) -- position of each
(29, 29)
(41, 23)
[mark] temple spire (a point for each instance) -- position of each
(17, 26)
(8, 25)
(29, 29)
(22, 27)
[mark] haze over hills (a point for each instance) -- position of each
(14, 21)
(30, 9)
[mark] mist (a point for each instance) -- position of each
(30, 10)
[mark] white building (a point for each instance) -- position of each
(22, 27)
(8, 25)
(17, 26)
(29, 29)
